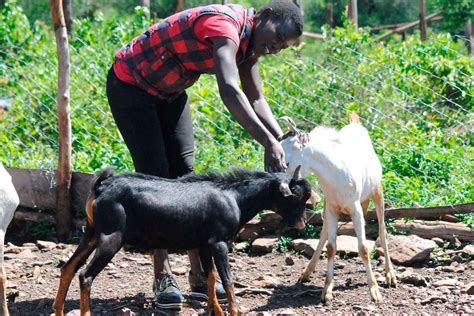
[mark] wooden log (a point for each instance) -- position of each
(24, 215)
(423, 26)
(418, 213)
(37, 190)
(63, 195)
(371, 231)
(407, 26)
(430, 229)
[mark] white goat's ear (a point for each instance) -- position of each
(285, 189)
(291, 124)
(297, 174)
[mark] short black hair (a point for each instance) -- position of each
(286, 9)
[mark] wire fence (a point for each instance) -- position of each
(422, 132)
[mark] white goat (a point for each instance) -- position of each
(8, 202)
(349, 173)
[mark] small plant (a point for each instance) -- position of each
(283, 243)
(374, 254)
(40, 230)
(467, 219)
(311, 231)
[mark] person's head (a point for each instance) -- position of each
(277, 25)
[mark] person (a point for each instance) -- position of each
(146, 90)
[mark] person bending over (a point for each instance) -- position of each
(146, 90)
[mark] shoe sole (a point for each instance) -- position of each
(202, 296)
(174, 306)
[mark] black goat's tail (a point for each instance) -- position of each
(104, 174)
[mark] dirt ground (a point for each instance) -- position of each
(126, 283)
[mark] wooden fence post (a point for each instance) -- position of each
(423, 22)
(469, 37)
(63, 176)
(353, 13)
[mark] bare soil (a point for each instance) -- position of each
(126, 283)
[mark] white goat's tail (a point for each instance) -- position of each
(354, 118)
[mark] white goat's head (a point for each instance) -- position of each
(293, 141)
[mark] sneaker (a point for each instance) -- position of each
(199, 288)
(167, 293)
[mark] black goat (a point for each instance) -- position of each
(196, 211)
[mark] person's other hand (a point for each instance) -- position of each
(274, 157)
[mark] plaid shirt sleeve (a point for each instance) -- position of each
(213, 25)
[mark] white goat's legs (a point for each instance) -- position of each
(379, 208)
(359, 227)
(3, 278)
(331, 224)
(317, 253)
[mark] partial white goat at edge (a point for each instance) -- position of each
(8, 202)
(349, 173)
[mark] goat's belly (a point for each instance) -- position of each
(173, 238)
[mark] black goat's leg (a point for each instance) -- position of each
(220, 253)
(107, 247)
(77, 260)
(208, 267)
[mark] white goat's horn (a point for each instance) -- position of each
(291, 124)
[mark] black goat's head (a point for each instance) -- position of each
(291, 199)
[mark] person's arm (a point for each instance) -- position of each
(252, 87)
(238, 105)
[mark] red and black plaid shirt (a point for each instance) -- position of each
(168, 57)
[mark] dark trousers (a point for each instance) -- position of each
(158, 134)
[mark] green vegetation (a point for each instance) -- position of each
(415, 98)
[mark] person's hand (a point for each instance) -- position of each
(274, 157)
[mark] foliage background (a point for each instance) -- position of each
(416, 99)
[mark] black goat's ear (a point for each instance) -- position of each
(285, 189)
(297, 174)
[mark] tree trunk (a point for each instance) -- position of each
(423, 22)
(63, 179)
(469, 37)
(329, 15)
(353, 13)
(67, 8)
(179, 5)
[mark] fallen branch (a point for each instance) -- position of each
(408, 26)
(313, 35)
(398, 25)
